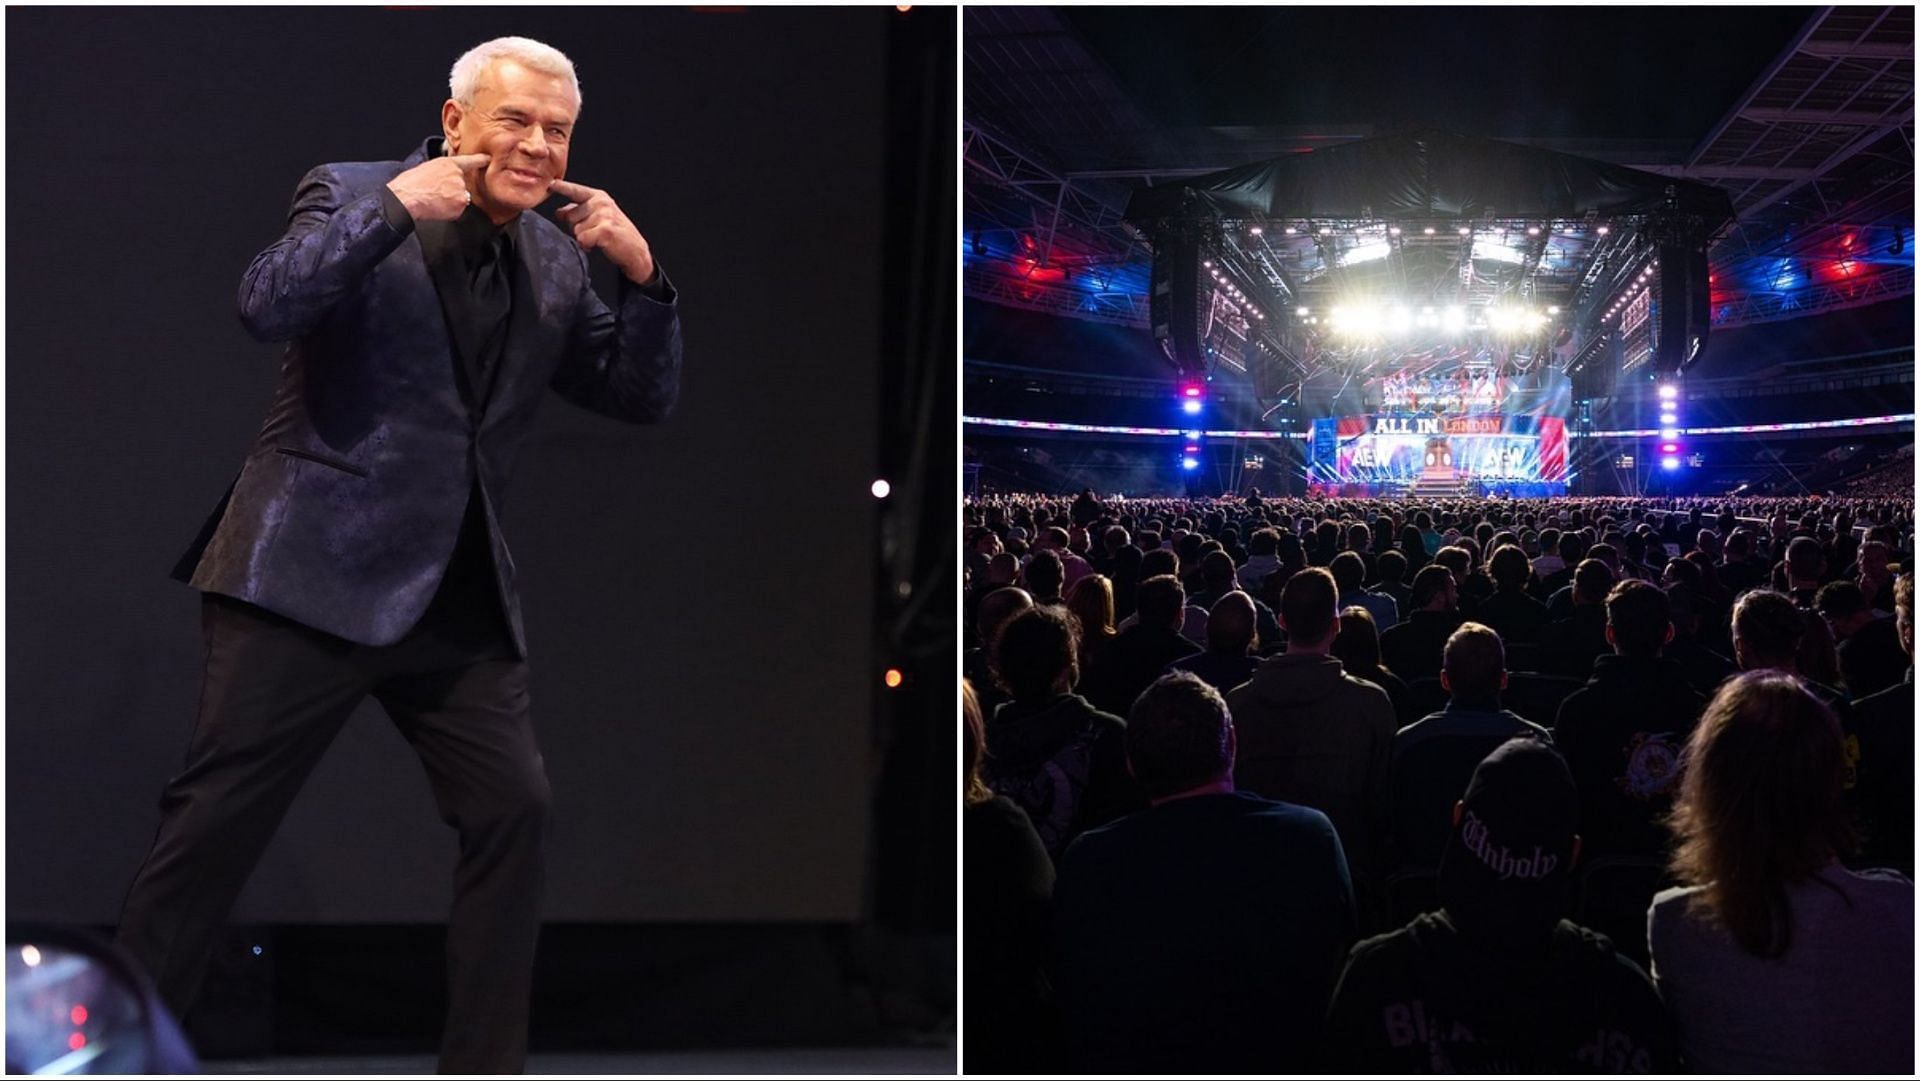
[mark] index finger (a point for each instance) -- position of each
(470, 161)
(567, 189)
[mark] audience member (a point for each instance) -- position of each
(1495, 982)
(1867, 644)
(1357, 648)
(1569, 647)
(1411, 648)
(1233, 643)
(1774, 958)
(1202, 935)
(1881, 745)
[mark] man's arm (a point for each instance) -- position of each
(332, 242)
(622, 363)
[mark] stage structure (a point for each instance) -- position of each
(1434, 310)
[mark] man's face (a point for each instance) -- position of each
(1873, 562)
(523, 120)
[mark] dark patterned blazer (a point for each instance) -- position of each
(345, 513)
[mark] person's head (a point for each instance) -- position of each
(1161, 602)
(1035, 656)
(1264, 542)
(1844, 607)
(1760, 805)
(1392, 566)
(1357, 645)
(1456, 559)
(1607, 554)
(1507, 871)
(1309, 612)
(1044, 573)
(972, 785)
(1002, 569)
(1683, 572)
(1474, 666)
(1639, 620)
(1874, 559)
(1091, 602)
(1591, 581)
(1510, 568)
(1114, 539)
(1158, 562)
(1549, 541)
(1179, 737)
(516, 101)
(1739, 545)
(1348, 571)
(1573, 548)
(1767, 630)
(1805, 561)
(1052, 539)
(996, 608)
(1231, 626)
(1216, 571)
(1433, 590)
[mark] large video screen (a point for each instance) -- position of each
(1451, 426)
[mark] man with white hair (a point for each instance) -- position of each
(359, 552)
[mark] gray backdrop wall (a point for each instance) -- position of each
(698, 594)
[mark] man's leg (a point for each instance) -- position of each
(274, 696)
(473, 730)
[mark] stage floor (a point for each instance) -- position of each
(810, 1060)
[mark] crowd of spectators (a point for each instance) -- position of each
(1568, 785)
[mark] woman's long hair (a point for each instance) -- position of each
(975, 789)
(1357, 646)
(1091, 601)
(1760, 805)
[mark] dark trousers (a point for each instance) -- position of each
(275, 695)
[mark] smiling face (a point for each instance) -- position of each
(522, 119)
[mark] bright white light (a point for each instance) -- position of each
(1428, 230)
(1533, 230)
(1255, 230)
(1669, 463)
(1553, 310)
(1669, 392)
(1290, 230)
(1189, 463)
(1464, 231)
(1495, 251)
(881, 489)
(1602, 230)
(1454, 318)
(1669, 418)
(1367, 253)
(1191, 406)
(1208, 264)
(30, 955)
(1669, 433)
(1393, 230)
(1400, 321)
(1324, 230)
(1301, 312)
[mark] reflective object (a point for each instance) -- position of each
(78, 1006)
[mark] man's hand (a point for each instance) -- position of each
(437, 189)
(598, 222)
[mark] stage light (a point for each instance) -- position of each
(1290, 230)
(1428, 230)
(30, 955)
(1366, 253)
(1495, 251)
(1669, 433)
(1533, 230)
(1192, 390)
(1393, 230)
(1602, 230)
(1669, 418)
(1189, 463)
(1454, 318)
(1191, 406)
(1401, 320)
(881, 489)
(1464, 231)
(1301, 312)
(1324, 230)
(1208, 264)
(1669, 463)
(1668, 392)
(1192, 449)
(894, 677)
(1669, 448)
(1255, 230)
(1553, 310)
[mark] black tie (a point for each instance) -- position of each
(492, 300)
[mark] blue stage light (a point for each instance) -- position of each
(1189, 463)
(1670, 463)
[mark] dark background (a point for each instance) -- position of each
(699, 595)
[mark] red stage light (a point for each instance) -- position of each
(78, 1015)
(76, 1041)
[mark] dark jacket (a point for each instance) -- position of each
(1201, 936)
(1433, 759)
(1880, 744)
(1127, 665)
(1427, 999)
(1516, 616)
(345, 512)
(1412, 648)
(1569, 647)
(1063, 762)
(1007, 906)
(1871, 659)
(1622, 736)
(1311, 734)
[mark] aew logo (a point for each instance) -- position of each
(1504, 863)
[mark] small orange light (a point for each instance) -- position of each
(894, 678)
(903, 7)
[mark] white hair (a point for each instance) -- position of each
(528, 53)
